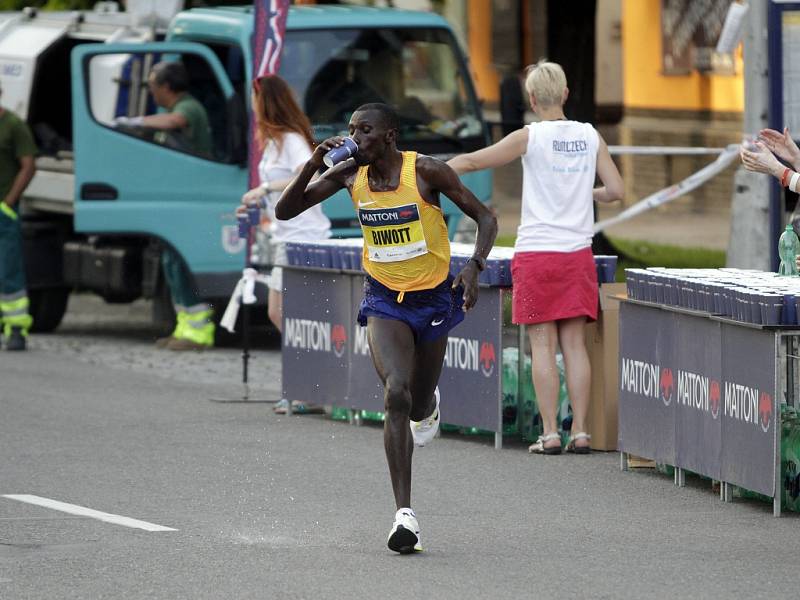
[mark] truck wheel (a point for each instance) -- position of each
(47, 307)
(163, 312)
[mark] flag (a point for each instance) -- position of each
(268, 32)
(270, 26)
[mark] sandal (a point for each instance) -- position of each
(539, 447)
(574, 448)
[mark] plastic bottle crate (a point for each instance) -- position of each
(339, 413)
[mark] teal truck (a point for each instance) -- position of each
(107, 199)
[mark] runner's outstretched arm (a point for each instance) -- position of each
(441, 178)
(299, 196)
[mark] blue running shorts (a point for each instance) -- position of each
(429, 313)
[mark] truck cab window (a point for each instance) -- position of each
(127, 90)
(415, 70)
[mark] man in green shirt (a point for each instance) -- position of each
(17, 150)
(186, 119)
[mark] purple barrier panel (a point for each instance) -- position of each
(470, 383)
(317, 316)
(364, 389)
(748, 401)
(699, 394)
(647, 382)
(697, 380)
(471, 374)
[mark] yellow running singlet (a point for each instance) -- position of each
(405, 238)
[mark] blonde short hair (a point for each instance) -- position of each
(546, 81)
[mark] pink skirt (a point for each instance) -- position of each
(549, 286)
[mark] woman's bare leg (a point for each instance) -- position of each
(544, 338)
(571, 337)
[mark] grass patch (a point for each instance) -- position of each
(505, 240)
(636, 254)
(646, 254)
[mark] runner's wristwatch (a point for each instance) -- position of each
(480, 261)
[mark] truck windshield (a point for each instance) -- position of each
(414, 70)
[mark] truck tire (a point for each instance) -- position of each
(163, 312)
(47, 307)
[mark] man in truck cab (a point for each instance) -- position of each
(17, 167)
(186, 122)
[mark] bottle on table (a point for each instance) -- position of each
(788, 249)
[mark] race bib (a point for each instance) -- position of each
(392, 234)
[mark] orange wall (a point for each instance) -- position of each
(644, 86)
(479, 24)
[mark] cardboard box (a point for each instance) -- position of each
(602, 343)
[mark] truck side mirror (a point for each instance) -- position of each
(237, 129)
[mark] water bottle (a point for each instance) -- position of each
(340, 153)
(788, 248)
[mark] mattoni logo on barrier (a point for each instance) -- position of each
(667, 385)
(317, 336)
(470, 355)
(698, 392)
(714, 397)
(748, 404)
(765, 410)
(360, 340)
(487, 358)
(339, 339)
(694, 390)
(643, 378)
(461, 353)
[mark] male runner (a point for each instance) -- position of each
(410, 301)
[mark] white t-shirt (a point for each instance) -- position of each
(558, 174)
(276, 165)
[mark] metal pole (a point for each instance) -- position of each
(680, 477)
(245, 349)
(781, 385)
(751, 230)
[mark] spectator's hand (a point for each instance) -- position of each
(323, 148)
(468, 277)
(797, 261)
(253, 197)
(129, 121)
(761, 160)
(781, 144)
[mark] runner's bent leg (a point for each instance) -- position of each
(428, 360)
(392, 346)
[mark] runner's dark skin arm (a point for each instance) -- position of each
(300, 195)
(435, 177)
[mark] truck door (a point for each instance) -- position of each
(131, 180)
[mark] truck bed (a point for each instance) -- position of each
(53, 187)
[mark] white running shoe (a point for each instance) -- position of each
(404, 536)
(424, 431)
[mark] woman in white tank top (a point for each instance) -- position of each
(555, 283)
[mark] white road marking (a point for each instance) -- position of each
(82, 511)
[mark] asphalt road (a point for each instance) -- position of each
(275, 507)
